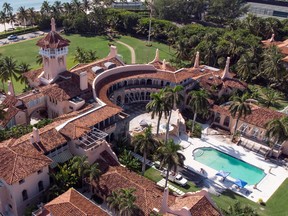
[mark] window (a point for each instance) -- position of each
(40, 186)
(10, 206)
(21, 181)
(39, 171)
(24, 195)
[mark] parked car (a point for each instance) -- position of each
(12, 37)
(175, 177)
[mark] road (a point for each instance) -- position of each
(21, 38)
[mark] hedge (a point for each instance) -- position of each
(19, 32)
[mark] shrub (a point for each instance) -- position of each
(261, 202)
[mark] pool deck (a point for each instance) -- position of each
(275, 175)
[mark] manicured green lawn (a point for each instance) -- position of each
(27, 51)
(276, 205)
(145, 54)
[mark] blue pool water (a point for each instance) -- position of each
(221, 161)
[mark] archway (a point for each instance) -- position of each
(226, 121)
(38, 114)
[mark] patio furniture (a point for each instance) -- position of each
(240, 183)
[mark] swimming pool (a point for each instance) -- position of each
(221, 161)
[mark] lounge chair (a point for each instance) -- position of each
(256, 148)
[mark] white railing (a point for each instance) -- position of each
(54, 52)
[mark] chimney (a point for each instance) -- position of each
(164, 64)
(53, 25)
(36, 134)
(31, 139)
(83, 80)
(226, 70)
(272, 38)
(156, 59)
(113, 51)
(196, 63)
(10, 88)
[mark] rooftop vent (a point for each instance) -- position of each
(109, 65)
(97, 69)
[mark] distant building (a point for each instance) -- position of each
(268, 8)
(129, 5)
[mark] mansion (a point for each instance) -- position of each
(87, 104)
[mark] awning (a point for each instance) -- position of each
(60, 158)
(222, 173)
(143, 123)
(240, 183)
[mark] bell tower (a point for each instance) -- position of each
(53, 49)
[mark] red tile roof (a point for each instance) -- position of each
(52, 40)
(72, 131)
(9, 106)
(198, 205)
(259, 116)
(19, 161)
(148, 195)
(72, 203)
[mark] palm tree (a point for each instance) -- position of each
(246, 66)
(80, 164)
(76, 5)
(172, 98)
(156, 107)
(169, 157)
(145, 143)
(93, 173)
(45, 8)
(239, 107)
(67, 7)
(39, 59)
(12, 19)
(31, 15)
(10, 68)
(23, 68)
(23, 15)
(80, 55)
(86, 5)
(58, 6)
(3, 19)
(7, 8)
(198, 103)
(271, 67)
(277, 131)
(129, 161)
(123, 201)
(270, 97)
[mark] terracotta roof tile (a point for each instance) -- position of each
(33, 74)
(52, 40)
(259, 116)
(9, 106)
(148, 195)
(198, 205)
(72, 203)
(19, 161)
(72, 131)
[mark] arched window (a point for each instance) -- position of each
(136, 82)
(126, 99)
(24, 195)
(149, 82)
(142, 82)
(227, 121)
(147, 95)
(217, 118)
(40, 186)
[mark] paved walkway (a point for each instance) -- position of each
(133, 55)
(161, 183)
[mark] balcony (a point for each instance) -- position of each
(54, 52)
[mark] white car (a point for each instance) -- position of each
(174, 177)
